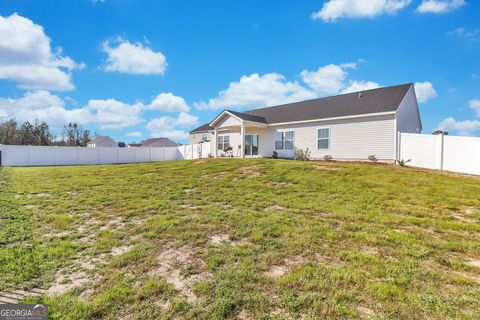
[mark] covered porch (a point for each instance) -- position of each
(237, 134)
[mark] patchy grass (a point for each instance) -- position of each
(225, 238)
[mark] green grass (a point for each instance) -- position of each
(213, 239)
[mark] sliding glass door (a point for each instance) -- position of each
(251, 145)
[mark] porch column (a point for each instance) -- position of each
(215, 143)
(242, 139)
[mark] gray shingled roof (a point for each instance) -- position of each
(379, 100)
(350, 104)
(203, 128)
(248, 117)
(157, 142)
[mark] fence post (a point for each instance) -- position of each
(118, 155)
(442, 150)
(150, 149)
(399, 146)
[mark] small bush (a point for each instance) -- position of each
(275, 155)
(372, 158)
(328, 158)
(302, 155)
(403, 162)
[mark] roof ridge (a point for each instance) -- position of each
(330, 97)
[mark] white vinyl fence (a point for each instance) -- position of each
(52, 156)
(451, 153)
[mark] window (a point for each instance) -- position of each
(284, 140)
(323, 138)
(289, 140)
(223, 142)
(204, 136)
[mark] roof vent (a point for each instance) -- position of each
(360, 95)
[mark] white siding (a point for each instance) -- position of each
(349, 138)
(194, 138)
(408, 118)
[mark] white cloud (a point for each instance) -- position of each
(134, 134)
(332, 79)
(464, 128)
(170, 127)
(26, 56)
(469, 35)
(425, 91)
(168, 102)
(114, 114)
(326, 80)
(355, 86)
(336, 9)
(258, 91)
(475, 105)
(133, 58)
(439, 6)
(44, 106)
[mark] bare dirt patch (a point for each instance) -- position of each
(220, 175)
(251, 171)
(275, 207)
(364, 311)
(74, 193)
(369, 250)
(64, 283)
(462, 218)
(113, 224)
(287, 265)
(172, 261)
(326, 168)
(225, 238)
(473, 263)
(120, 250)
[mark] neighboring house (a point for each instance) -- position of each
(102, 142)
(348, 126)
(201, 134)
(156, 143)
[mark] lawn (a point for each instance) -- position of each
(247, 239)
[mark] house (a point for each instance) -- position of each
(349, 126)
(155, 143)
(102, 142)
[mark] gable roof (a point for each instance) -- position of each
(99, 139)
(380, 100)
(248, 117)
(157, 142)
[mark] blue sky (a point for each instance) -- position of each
(135, 69)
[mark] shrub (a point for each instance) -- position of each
(402, 162)
(302, 155)
(328, 158)
(275, 155)
(372, 158)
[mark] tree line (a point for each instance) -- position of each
(39, 134)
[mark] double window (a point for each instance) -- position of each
(284, 140)
(223, 142)
(323, 138)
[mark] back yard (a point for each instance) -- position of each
(266, 239)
